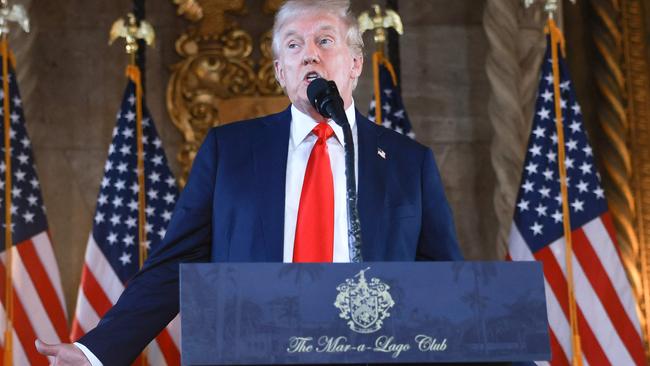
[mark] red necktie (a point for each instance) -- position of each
(314, 240)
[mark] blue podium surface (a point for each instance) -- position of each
(372, 312)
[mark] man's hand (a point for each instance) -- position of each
(63, 354)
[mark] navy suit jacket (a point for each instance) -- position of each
(232, 210)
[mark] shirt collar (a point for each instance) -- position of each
(302, 124)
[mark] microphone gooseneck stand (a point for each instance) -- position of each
(354, 225)
(325, 98)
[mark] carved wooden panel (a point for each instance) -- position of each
(638, 102)
(218, 80)
(621, 74)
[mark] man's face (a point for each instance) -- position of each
(314, 45)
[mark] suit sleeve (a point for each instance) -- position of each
(438, 234)
(151, 298)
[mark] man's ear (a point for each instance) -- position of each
(357, 66)
(279, 73)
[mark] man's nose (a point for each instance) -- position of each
(311, 54)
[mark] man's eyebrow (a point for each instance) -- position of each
(289, 34)
(292, 33)
(327, 27)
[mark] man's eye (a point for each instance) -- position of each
(325, 41)
(292, 46)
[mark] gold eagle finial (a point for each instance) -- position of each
(550, 6)
(380, 21)
(15, 13)
(130, 31)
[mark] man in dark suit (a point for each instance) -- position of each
(248, 195)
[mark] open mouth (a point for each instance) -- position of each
(311, 76)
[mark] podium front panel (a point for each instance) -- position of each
(380, 312)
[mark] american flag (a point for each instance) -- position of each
(39, 308)
(607, 321)
(112, 252)
(393, 114)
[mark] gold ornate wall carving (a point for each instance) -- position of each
(218, 80)
(638, 102)
(621, 75)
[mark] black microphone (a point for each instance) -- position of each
(325, 98)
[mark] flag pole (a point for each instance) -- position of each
(380, 41)
(557, 39)
(133, 72)
(14, 13)
(133, 31)
(375, 77)
(378, 24)
(9, 300)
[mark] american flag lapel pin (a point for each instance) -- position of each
(381, 153)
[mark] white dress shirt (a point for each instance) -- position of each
(301, 141)
(94, 361)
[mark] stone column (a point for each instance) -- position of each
(517, 44)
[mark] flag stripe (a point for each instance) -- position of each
(558, 357)
(558, 324)
(168, 348)
(154, 356)
(24, 333)
(586, 302)
(86, 317)
(601, 324)
(596, 354)
(76, 331)
(44, 290)
(138, 361)
(604, 290)
(174, 328)
(43, 246)
(25, 290)
(559, 327)
(94, 293)
(554, 274)
(517, 249)
(102, 271)
(606, 219)
(20, 358)
(597, 234)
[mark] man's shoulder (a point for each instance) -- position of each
(248, 125)
(392, 139)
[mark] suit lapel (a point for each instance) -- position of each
(372, 185)
(270, 149)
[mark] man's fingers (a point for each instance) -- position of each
(47, 349)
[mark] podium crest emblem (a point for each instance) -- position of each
(364, 304)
